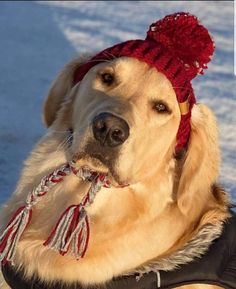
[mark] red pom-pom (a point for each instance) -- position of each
(186, 39)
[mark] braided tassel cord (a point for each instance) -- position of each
(22, 217)
(72, 230)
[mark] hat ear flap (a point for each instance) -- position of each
(201, 166)
(60, 90)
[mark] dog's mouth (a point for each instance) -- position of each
(101, 163)
(93, 161)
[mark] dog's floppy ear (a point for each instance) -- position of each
(201, 166)
(59, 90)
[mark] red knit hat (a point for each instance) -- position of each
(179, 47)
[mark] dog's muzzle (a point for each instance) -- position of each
(110, 130)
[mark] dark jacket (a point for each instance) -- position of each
(217, 267)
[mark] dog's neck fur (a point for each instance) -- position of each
(118, 218)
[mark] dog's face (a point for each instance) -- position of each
(125, 116)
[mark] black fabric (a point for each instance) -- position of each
(217, 267)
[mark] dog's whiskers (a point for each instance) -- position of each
(65, 143)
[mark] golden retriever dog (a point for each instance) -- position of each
(163, 209)
(169, 198)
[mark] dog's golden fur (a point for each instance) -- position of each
(168, 200)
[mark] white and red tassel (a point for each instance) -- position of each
(71, 222)
(13, 232)
(72, 230)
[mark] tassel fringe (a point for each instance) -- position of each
(65, 230)
(71, 233)
(72, 229)
(13, 232)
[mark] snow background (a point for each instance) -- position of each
(38, 38)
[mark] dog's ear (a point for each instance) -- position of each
(60, 90)
(201, 166)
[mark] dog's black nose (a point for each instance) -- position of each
(109, 129)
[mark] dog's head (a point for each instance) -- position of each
(124, 116)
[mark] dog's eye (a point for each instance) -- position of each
(161, 107)
(107, 78)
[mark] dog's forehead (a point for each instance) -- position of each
(140, 75)
(127, 67)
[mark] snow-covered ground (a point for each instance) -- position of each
(38, 38)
